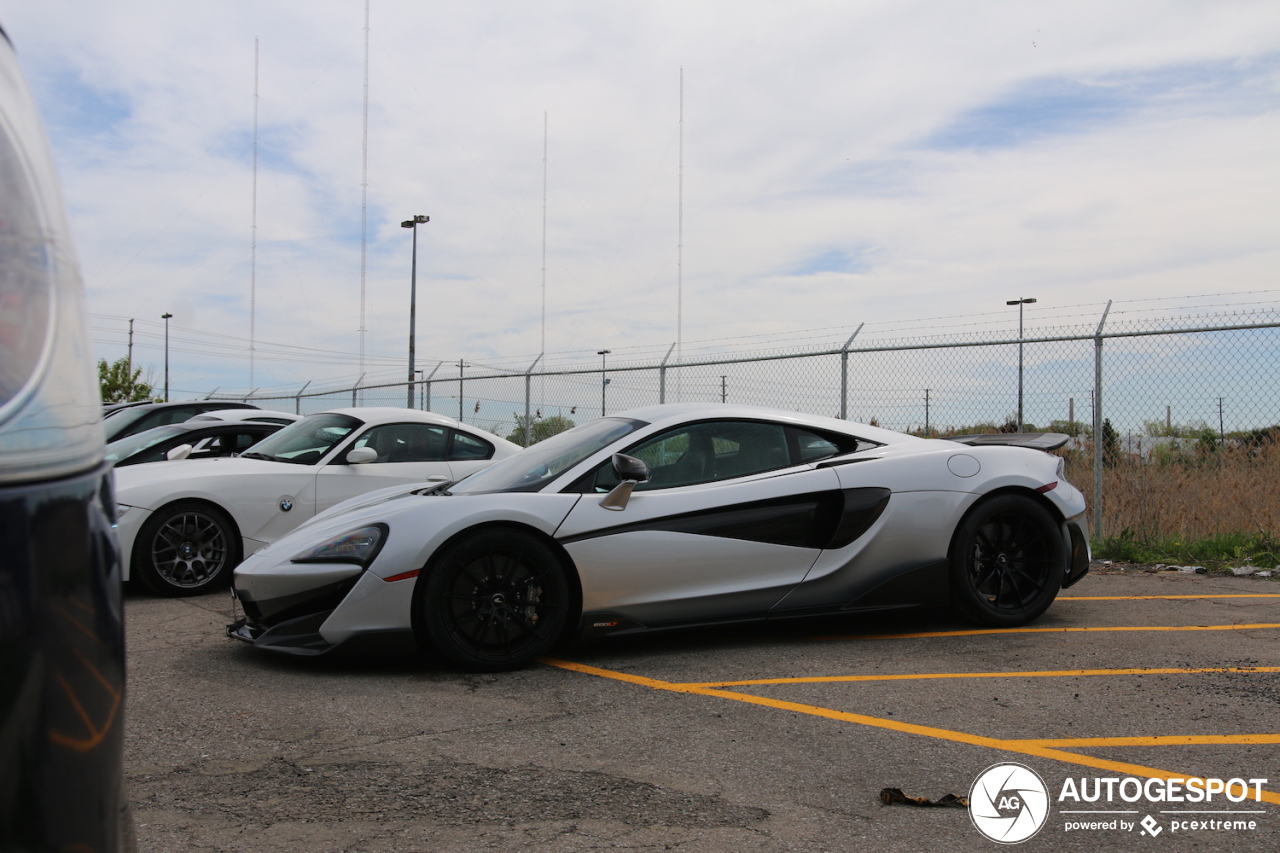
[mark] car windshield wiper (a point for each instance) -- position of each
(252, 455)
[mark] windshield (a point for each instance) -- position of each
(306, 441)
(121, 421)
(133, 444)
(531, 469)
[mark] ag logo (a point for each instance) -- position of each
(1008, 803)
(286, 504)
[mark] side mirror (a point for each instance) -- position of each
(182, 451)
(630, 471)
(362, 455)
(630, 468)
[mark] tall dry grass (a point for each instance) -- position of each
(1186, 494)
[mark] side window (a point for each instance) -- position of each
(469, 447)
(406, 442)
(813, 447)
(245, 440)
(206, 447)
(705, 453)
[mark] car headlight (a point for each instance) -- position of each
(358, 546)
(121, 509)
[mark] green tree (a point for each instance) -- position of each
(1110, 444)
(119, 385)
(542, 428)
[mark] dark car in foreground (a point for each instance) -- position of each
(62, 667)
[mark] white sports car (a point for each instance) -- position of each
(184, 525)
(671, 516)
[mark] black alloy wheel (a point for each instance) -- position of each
(1007, 561)
(495, 601)
(186, 548)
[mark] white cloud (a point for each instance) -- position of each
(812, 130)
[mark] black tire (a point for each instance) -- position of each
(1007, 561)
(494, 601)
(186, 548)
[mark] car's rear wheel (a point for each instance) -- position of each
(186, 548)
(494, 601)
(1007, 561)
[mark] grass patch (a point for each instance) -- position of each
(1221, 550)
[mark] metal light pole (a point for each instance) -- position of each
(1020, 303)
(603, 381)
(165, 316)
(413, 224)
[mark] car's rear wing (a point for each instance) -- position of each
(1034, 440)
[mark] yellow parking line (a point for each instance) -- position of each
(1021, 747)
(978, 631)
(828, 679)
(1161, 597)
(1158, 740)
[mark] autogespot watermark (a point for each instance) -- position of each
(1010, 803)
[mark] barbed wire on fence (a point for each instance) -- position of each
(1132, 372)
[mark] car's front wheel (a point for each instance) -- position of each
(493, 601)
(186, 548)
(1007, 561)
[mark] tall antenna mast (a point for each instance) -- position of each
(253, 229)
(680, 250)
(364, 184)
(544, 233)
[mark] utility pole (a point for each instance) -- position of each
(130, 374)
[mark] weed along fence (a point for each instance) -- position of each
(1186, 409)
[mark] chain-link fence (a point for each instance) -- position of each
(1184, 386)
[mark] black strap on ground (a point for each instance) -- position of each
(895, 797)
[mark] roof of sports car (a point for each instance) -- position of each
(681, 412)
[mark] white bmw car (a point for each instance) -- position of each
(185, 525)
(672, 516)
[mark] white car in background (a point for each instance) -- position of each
(185, 525)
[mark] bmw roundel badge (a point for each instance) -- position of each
(286, 504)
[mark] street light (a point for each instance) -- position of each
(165, 316)
(603, 381)
(413, 296)
(1020, 303)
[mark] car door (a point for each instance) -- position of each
(407, 453)
(729, 522)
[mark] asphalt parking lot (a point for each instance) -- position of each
(754, 738)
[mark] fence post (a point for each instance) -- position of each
(297, 398)
(1097, 425)
(354, 389)
(844, 374)
(426, 389)
(528, 378)
(662, 376)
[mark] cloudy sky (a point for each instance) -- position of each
(844, 162)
